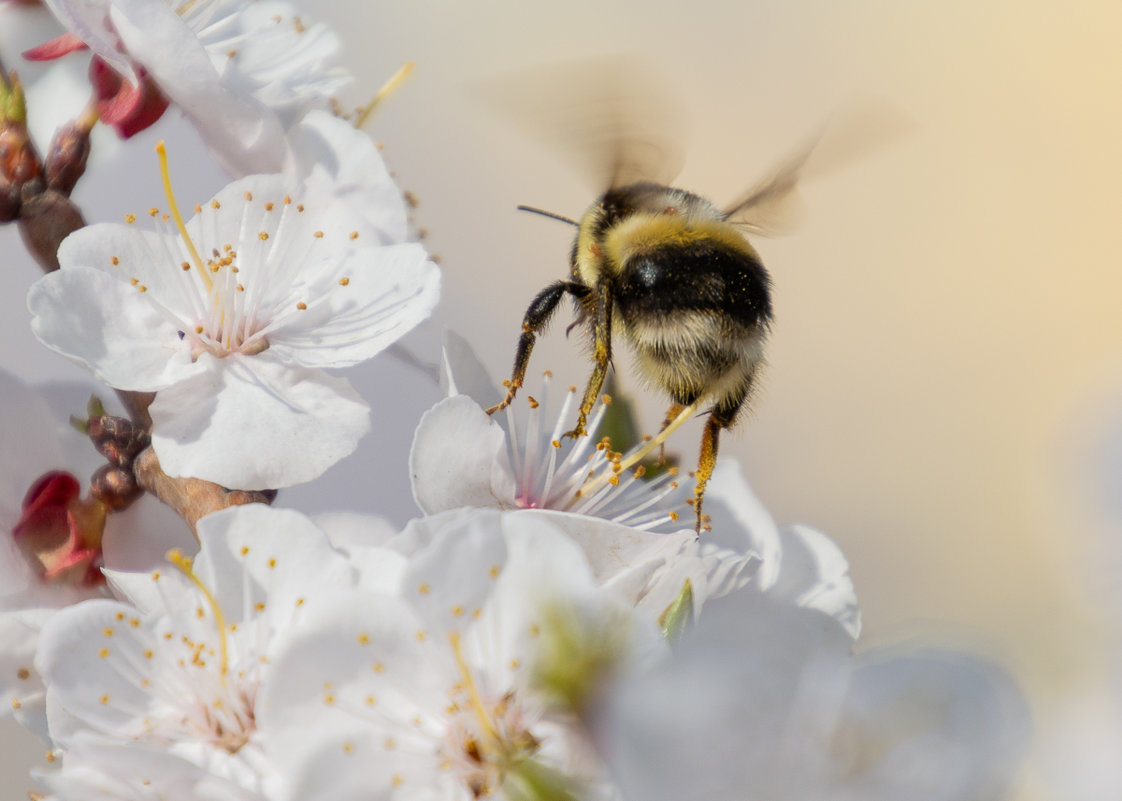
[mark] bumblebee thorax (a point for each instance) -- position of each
(640, 217)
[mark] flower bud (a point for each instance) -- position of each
(59, 533)
(128, 109)
(19, 164)
(115, 487)
(45, 219)
(116, 438)
(66, 159)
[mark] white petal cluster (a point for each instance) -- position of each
(462, 457)
(234, 323)
(546, 630)
(243, 71)
(481, 653)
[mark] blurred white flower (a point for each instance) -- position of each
(95, 767)
(178, 666)
(243, 71)
(797, 563)
(763, 700)
(465, 684)
(234, 334)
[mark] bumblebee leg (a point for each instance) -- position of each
(601, 352)
(535, 319)
(722, 416)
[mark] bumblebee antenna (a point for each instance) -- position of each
(549, 214)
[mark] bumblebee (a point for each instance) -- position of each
(674, 276)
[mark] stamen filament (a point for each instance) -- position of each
(382, 93)
(473, 691)
(637, 456)
(176, 557)
(165, 176)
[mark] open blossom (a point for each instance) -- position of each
(459, 685)
(233, 323)
(179, 666)
(242, 70)
(462, 457)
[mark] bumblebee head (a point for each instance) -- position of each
(646, 198)
(638, 216)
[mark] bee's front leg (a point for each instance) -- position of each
(601, 352)
(535, 319)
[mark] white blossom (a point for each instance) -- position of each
(95, 768)
(234, 323)
(463, 457)
(455, 687)
(243, 70)
(177, 666)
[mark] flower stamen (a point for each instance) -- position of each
(165, 176)
(605, 477)
(177, 558)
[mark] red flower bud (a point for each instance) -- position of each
(59, 533)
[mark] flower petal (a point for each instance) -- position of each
(475, 472)
(108, 326)
(815, 574)
(244, 135)
(374, 296)
(259, 427)
(337, 159)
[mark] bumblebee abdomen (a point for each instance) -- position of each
(704, 275)
(696, 310)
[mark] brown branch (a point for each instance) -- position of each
(191, 498)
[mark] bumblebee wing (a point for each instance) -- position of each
(772, 206)
(601, 113)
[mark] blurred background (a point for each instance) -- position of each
(944, 390)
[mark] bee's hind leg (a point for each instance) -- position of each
(723, 416)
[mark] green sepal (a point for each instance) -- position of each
(676, 617)
(13, 104)
(530, 780)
